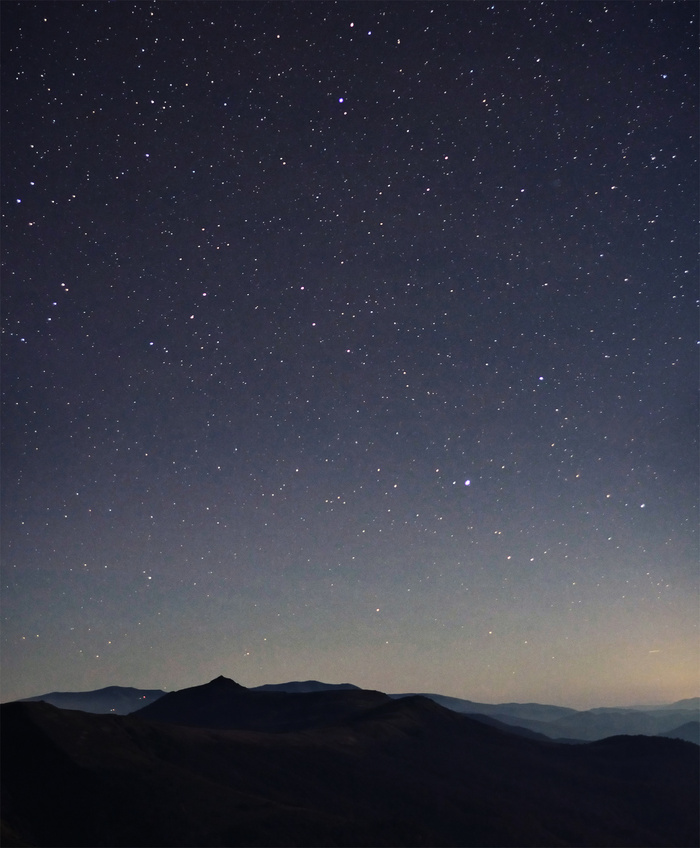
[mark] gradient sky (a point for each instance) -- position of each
(351, 341)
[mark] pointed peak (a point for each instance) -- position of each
(222, 681)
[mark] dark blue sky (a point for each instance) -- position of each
(353, 341)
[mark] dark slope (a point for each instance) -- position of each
(112, 699)
(224, 704)
(401, 773)
(509, 728)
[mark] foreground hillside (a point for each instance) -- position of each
(390, 772)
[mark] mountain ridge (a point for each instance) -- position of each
(223, 704)
(552, 721)
(302, 686)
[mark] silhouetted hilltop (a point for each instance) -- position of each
(302, 686)
(407, 772)
(224, 704)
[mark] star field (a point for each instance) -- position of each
(352, 341)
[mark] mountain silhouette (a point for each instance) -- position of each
(383, 772)
(224, 704)
(553, 722)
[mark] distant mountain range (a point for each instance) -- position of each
(222, 765)
(112, 699)
(563, 723)
(690, 731)
(677, 720)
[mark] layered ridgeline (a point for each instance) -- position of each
(678, 720)
(220, 764)
(112, 699)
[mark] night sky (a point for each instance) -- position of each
(351, 341)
